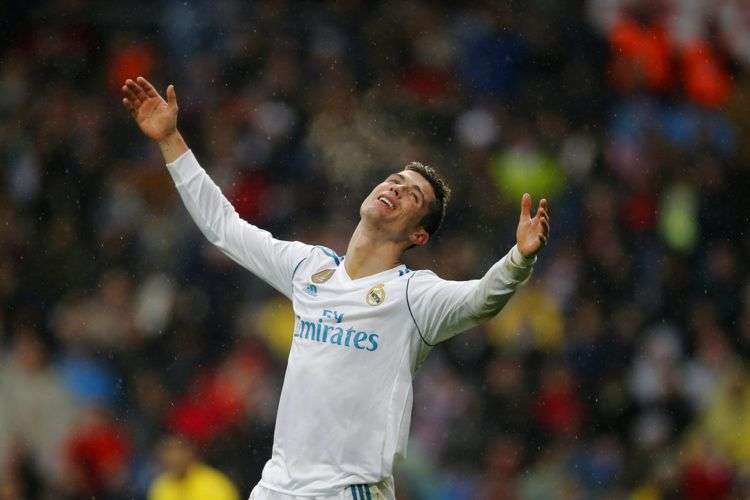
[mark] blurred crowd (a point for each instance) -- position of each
(134, 356)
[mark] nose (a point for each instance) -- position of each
(397, 190)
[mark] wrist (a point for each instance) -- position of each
(519, 259)
(172, 146)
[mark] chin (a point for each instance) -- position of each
(375, 216)
(371, 215)
(372, 208)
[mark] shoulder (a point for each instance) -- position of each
(319, 258)
(425, 285)
(322, 254)
(213, 481)
(162, 488)
(421, 278)
(420, 285)
(208, 473)
(327, 252)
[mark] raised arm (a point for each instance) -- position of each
(442, 308)
(272, 260)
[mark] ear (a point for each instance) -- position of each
(419, 237)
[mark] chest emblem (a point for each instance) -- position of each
(322, 276)
(376, 295)
(311, 290)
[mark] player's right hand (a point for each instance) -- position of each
(156, 117)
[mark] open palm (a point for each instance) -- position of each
(156, 117)
(532, 232)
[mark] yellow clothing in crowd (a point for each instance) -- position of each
(200, 483)
(534, 312)
(727, 419)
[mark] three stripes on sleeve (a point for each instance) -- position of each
(360, 491)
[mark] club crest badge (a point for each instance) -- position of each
(376, 295)
(322, 276)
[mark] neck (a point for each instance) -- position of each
(369, 253)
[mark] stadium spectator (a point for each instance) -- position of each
(186, 478)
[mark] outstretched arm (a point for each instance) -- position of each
(272, 260)
(442, 308)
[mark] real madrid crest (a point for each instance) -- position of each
(376, 295)
(322, 276)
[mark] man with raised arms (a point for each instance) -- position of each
(363, 323)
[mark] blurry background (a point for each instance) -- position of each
(619, 371)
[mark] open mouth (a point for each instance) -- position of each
(385, 201)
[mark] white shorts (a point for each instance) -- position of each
(384, 490)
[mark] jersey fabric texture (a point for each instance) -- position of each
(345, 407)
(383, 490)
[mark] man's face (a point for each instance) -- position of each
(175, 456)
(398, 204)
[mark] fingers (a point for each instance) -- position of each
(525, 206)
(542, 214)
(171, 97)
(545, 226)
(129, 105)
(136, 89)
(544, 204)
(131, 97)
(543, 209)
(147, 87)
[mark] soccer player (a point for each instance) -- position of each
(364, 322)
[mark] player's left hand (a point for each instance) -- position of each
(532, 232)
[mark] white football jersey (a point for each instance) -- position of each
(346, 402)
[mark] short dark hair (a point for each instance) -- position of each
(434, 217)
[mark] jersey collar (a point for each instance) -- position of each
(381, 276)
